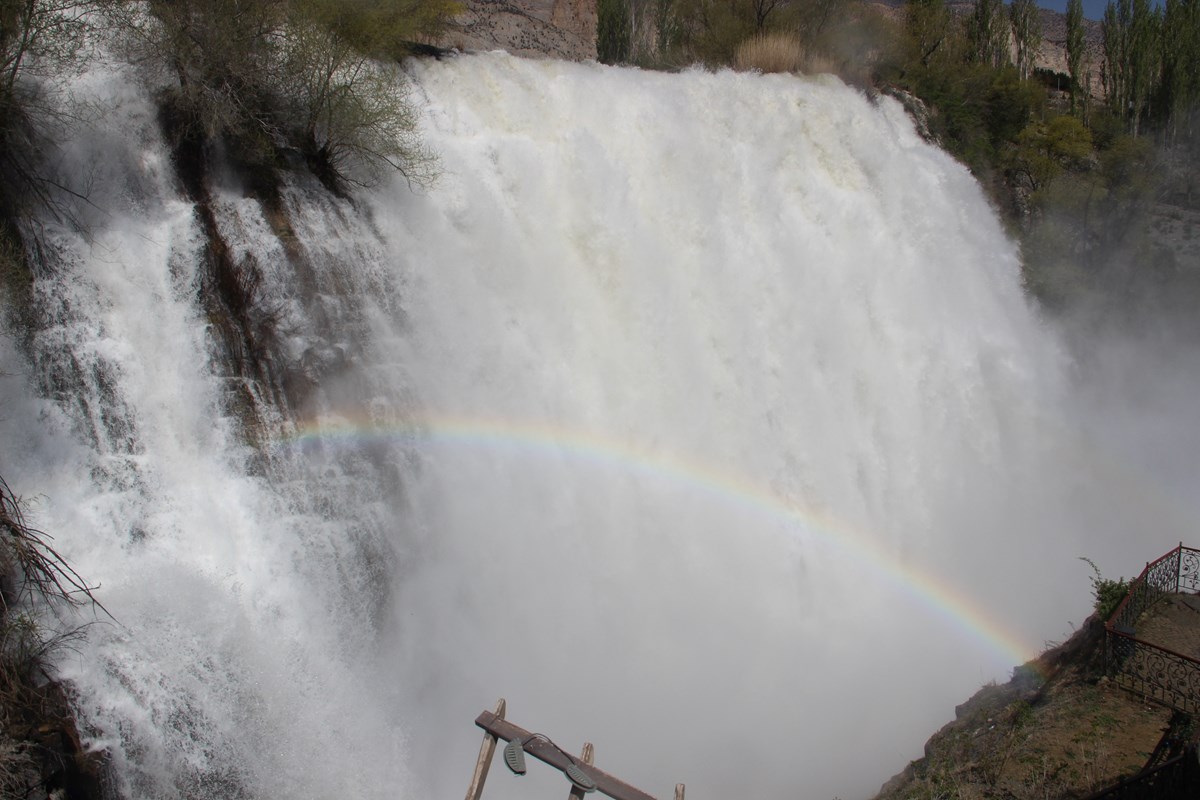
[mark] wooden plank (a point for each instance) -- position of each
(548, 753)
(486, 751)
(589, 758)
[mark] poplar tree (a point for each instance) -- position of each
(1132, 58)
(612, 31)
(1076, 66)
(1145, 59)
(1181, 66)
(987, 31)
(928, 24)
(1027, 34)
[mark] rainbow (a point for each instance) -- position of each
(927, 590)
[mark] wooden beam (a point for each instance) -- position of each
(548, 753)
(486, 751)
(589, 758)
(679, 791)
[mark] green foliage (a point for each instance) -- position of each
(612, 31)
(709, 31)
(224, 56)
(987, 32)
(843, 34)
(379, 28)
(1106, 592)
(1131, 32)
(1180, 88)
(1046, 149)
(1027, 34)
(928, 25)
(306, 74)
(1011, 102)
(1076, 54)
(346, 111)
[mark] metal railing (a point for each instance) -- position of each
(1153, 671)
(1177, 777)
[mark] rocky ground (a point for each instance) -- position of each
(563, 29)
(1058, 729)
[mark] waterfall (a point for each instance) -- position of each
(700, 415)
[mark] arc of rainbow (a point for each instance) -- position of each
(945, 601)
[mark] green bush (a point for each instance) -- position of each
(1106, 592)
(313, 75)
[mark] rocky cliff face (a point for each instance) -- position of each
(563, 29)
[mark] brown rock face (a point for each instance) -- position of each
(540, 28)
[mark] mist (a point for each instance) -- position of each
(703, 417)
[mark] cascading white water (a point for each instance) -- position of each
(701, 416)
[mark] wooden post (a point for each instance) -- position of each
(679, 791)
(546, 751)
(589, 758)
(486, 751)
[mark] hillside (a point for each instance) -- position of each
(1059, 728)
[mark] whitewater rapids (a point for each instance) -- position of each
(702, 416)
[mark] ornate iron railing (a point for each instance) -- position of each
(1189, 569)
(1152, 671)
(1158, 579)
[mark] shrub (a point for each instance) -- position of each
(314, 75)
(348, 113)
(1106, 592)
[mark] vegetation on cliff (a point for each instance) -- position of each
(1057, 729)
(40, 748)
(268, 85)
(1098, 181)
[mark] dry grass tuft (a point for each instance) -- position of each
(779, 52)
(771, 52)
(40, 572)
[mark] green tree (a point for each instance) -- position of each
(225, 58)
(383, 29)
(1076, 55)
(1047, 149)
(987, 32)
(1132, 55)
(1010, 104)
(348, 113)
(612, 31)
(929, 28)
(40, 42)
(308, 74)
(1181, 66)
(1027, 34)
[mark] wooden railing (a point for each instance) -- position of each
(583, 775)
